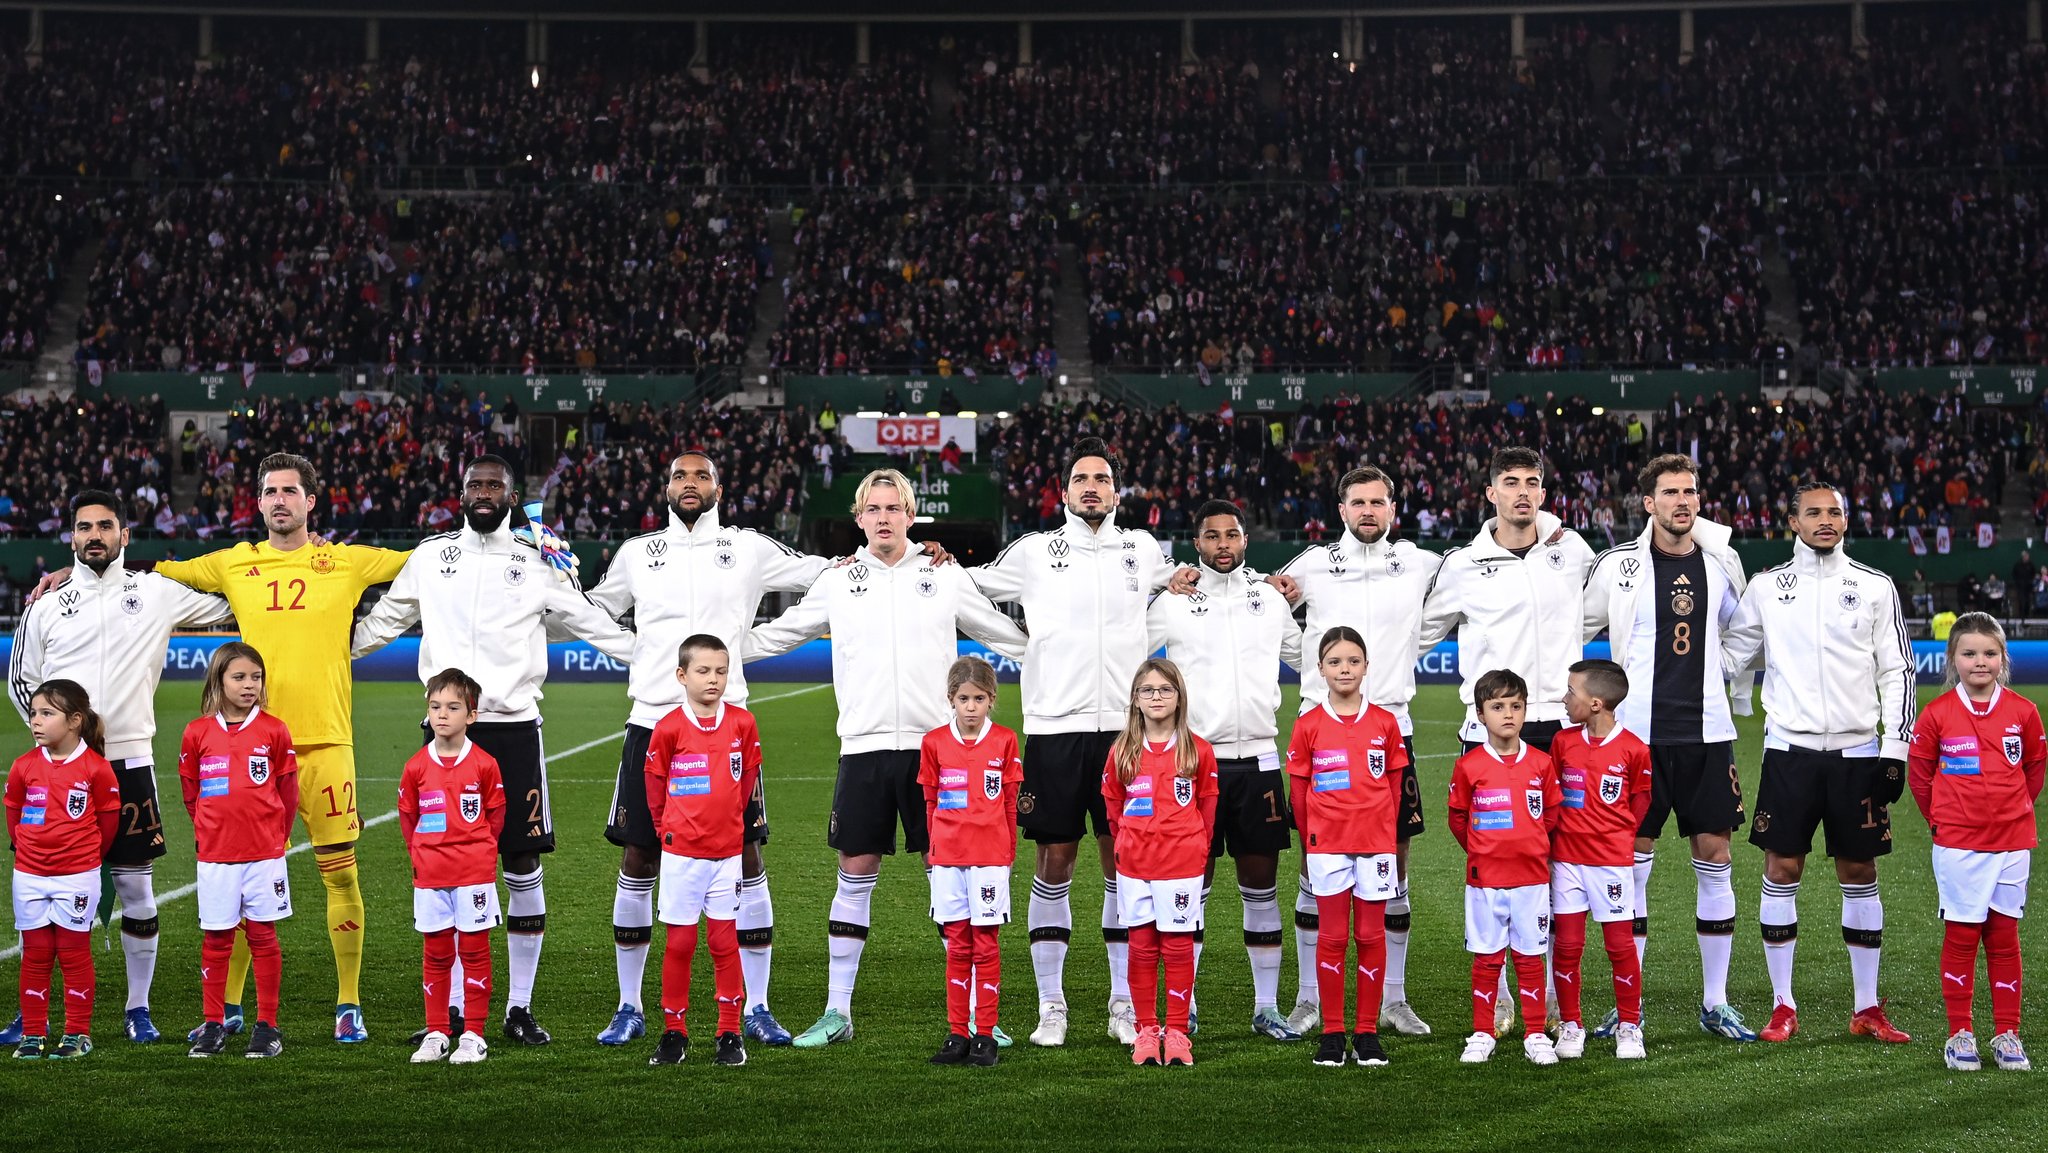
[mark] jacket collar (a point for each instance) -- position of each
(707, 526)
(1812, 563)
(912, 553)
(498, 540)
(1711, 536)
(117, 570)
(1546, 527)
(1077, 530)
(1210, 581)
(1359, 550)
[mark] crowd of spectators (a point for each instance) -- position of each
(1922, 270)
(888, 281)
(51, 448)
(1560, 276)
(36, 234)
(308, 277)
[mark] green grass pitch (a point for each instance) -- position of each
(1825, 1089)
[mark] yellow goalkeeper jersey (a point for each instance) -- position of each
(297, 608)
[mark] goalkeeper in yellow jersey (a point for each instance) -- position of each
(295, 599)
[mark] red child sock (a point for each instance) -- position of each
(1620, 939)
(1568, 947)
(266, 960)
(2002, 966)
(437, 968)
(988, 972)
(675, 977)
(38, 958)
(1144, 968)
(476, 979)
(959, 974)
(1335, 914)
(1369, 929)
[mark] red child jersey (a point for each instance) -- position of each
(449, 808)
(232, 775)
(1348, 779)
(1161, 822)
(61, 814)
(699, 779)
(1505, 810)
(1600, 783)
(971, 794)
(1976, 770)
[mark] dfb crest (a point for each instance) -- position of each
(992, 783)
(74, 803)
(1534, 799)
(472, 807)
(1184, 791)
(1610, 789)
(259, 770)
(1376, 763)
(2013, 748)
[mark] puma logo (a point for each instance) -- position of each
(478, 982)
(1486, 997)
(991, 987)
(1567, 978)
(38, 994)
(1958, 978)
(1626, 982)
(79, 993)
(1531, 994)
(1368, 974)
(957, 981)
(1176, 994)
(426, 988)
(2012, 985)
(1329, 966)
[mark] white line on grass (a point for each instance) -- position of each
(184, 891)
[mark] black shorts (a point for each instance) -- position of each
(872, 793)
(630, 823)
(140, 837)
(1062, 788)
(1802, 789)
(523, 766)
(1696, 782)
(1251, 809)
(1535, 733)
(1411, 823)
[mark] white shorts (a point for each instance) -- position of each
(252, 890)
(1174, 906)
(978, 894)
(1606, 891)
(693, 887)
(1968, 884)
(1369, 877)
(71, 901)
(1517, 919)
(463, 908)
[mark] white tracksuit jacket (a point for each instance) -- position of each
(895, 631)
(485, 604)
(109, 632)
(1229, 638)
(1838, 665)
(1377, 589)
(1615, 602)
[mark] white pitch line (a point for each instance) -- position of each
(184, 891)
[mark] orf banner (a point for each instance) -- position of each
(905, 433)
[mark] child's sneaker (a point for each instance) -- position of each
(1960, 1053)
(209, 1040)
(1181, 1051)
(1571, 1041)
(673, 1048)
(953, 1052)
(73, 1046)
(29, 1048)
(470, 1050)
(1148, 1048)
(1366, 1047)
(1478, 1048)
(1539, 1050)
(265, 1041)
(1628, 1041)
(1330, 1050)
(2010, 1054)
(433, 1047)
(982, 1049)
(728, 1049)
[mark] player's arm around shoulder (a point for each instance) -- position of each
(371, 565)
(208, 572)
(806, 620)
(396, 611)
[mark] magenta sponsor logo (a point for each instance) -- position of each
(1331, 759)
(1492, 799)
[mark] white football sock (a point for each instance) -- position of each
(1714, 915)
(1863, 932)
(1051, 922)
(1778, 913)
(847, 935)
(526, 918)
(1117, 940)
(1262, 944)
(138, 929)
(1395, 989)
(756, 927)
(1306, 931)
(632, 930)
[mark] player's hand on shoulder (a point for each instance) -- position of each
(49, 581)
(937, 553)
(1183, 582)
(1286, 586)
